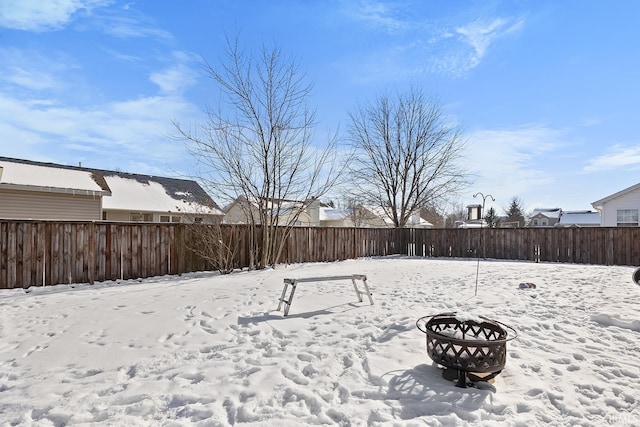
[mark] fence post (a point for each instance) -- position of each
(180, 248)
(92, 252)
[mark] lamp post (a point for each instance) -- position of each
(484, 252)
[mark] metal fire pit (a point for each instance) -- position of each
(466, 346)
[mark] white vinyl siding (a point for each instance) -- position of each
(625, 202)
(44, 205)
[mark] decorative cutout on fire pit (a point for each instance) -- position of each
(466, 345)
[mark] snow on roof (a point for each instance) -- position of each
(549, 213)
(379, 212)
(580, 218)
(41, 176)
(137, 195)
(332, 214)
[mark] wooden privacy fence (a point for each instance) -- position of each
(592, 245)
(36, 253)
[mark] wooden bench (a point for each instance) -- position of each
(294, 282)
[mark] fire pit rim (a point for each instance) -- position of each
(511, 333)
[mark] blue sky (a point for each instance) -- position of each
(546, 92)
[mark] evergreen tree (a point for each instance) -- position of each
(491, 218)
(514, 212)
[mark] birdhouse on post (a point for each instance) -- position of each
(474, 212)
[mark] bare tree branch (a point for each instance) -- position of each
(259, 144)
(408, 156)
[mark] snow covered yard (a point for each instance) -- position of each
(211, 350)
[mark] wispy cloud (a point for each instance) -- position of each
(33, 70)
(479, 35)
(41, 16)
(127, 22)
(511, 162)
(117, 133)
(177, 77)
(416, 45)
(460, 49)
(377, 14)
(618, 156)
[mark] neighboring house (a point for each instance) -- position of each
(332, 217)
(287, 212)
(579, 219)
(36, 190)
(33, 190)
(148, 198)
(620, 209)
(367, 216)
(316, 214)
(545, 217)
(470, 224)
(375, 217)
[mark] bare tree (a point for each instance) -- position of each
(258, 144)
(457, 214)
(432, 214)
(407, 155)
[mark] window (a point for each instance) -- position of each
(140, 217)
(169, 218)
(627, 217)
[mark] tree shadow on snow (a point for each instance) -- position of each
(421, 391)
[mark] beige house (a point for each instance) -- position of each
(36, 190)
(375, 216)
(287, 212)
(316, 214)
(545, 217)
(31, 190)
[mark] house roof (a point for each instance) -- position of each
(554, 213)
(331, 214)
(579, 218)
(134, 192)
(598, 203)
(36, 176)
(127, 191)
(282, 206)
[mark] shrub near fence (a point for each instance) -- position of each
(35, 253)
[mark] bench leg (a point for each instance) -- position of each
(355, 287)
(287, 301)
(366, 287)
(284, 292)
(366, 290)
